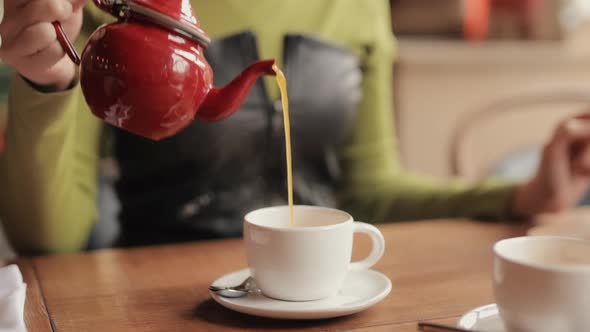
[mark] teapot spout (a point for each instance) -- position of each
(225, 101)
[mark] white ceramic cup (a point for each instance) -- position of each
(542, 283)
(307, 261)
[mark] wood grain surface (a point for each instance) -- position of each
(439, 269)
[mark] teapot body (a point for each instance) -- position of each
(144, 79)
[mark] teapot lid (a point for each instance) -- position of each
(176, 15)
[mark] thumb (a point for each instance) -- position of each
(570, 131)
(581, 160)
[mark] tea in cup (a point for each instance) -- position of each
(542, 283)
(309, 259)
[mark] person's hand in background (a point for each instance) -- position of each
(29, 41)
(563, 175)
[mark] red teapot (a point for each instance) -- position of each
(146, 73)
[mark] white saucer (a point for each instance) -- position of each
(482, 319)
(360, 291)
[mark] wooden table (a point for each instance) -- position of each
(36, 316)
(439, 269)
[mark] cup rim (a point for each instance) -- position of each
(551, 267)
(350, 219)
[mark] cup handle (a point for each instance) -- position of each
(376, 251)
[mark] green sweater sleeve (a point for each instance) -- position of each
(375, 187)
(48, 171)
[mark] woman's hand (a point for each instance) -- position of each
(564, 173)
(29, 42)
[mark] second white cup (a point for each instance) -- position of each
(542, 283)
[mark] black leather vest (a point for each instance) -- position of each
(199, 183)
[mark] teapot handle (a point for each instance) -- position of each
(65, 43)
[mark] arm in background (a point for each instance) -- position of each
(375, 186)
(49, 168)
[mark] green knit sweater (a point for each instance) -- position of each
(48, 173)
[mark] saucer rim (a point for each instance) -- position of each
(461, 325)
(305, 314)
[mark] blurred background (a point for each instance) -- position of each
(478, 86)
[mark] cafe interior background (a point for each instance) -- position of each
(478, 85)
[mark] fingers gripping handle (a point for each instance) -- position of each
(61, 37)
(377, 250)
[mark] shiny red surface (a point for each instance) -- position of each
(223, 102)
(178, 9)
(151, 81)
(143, 78)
